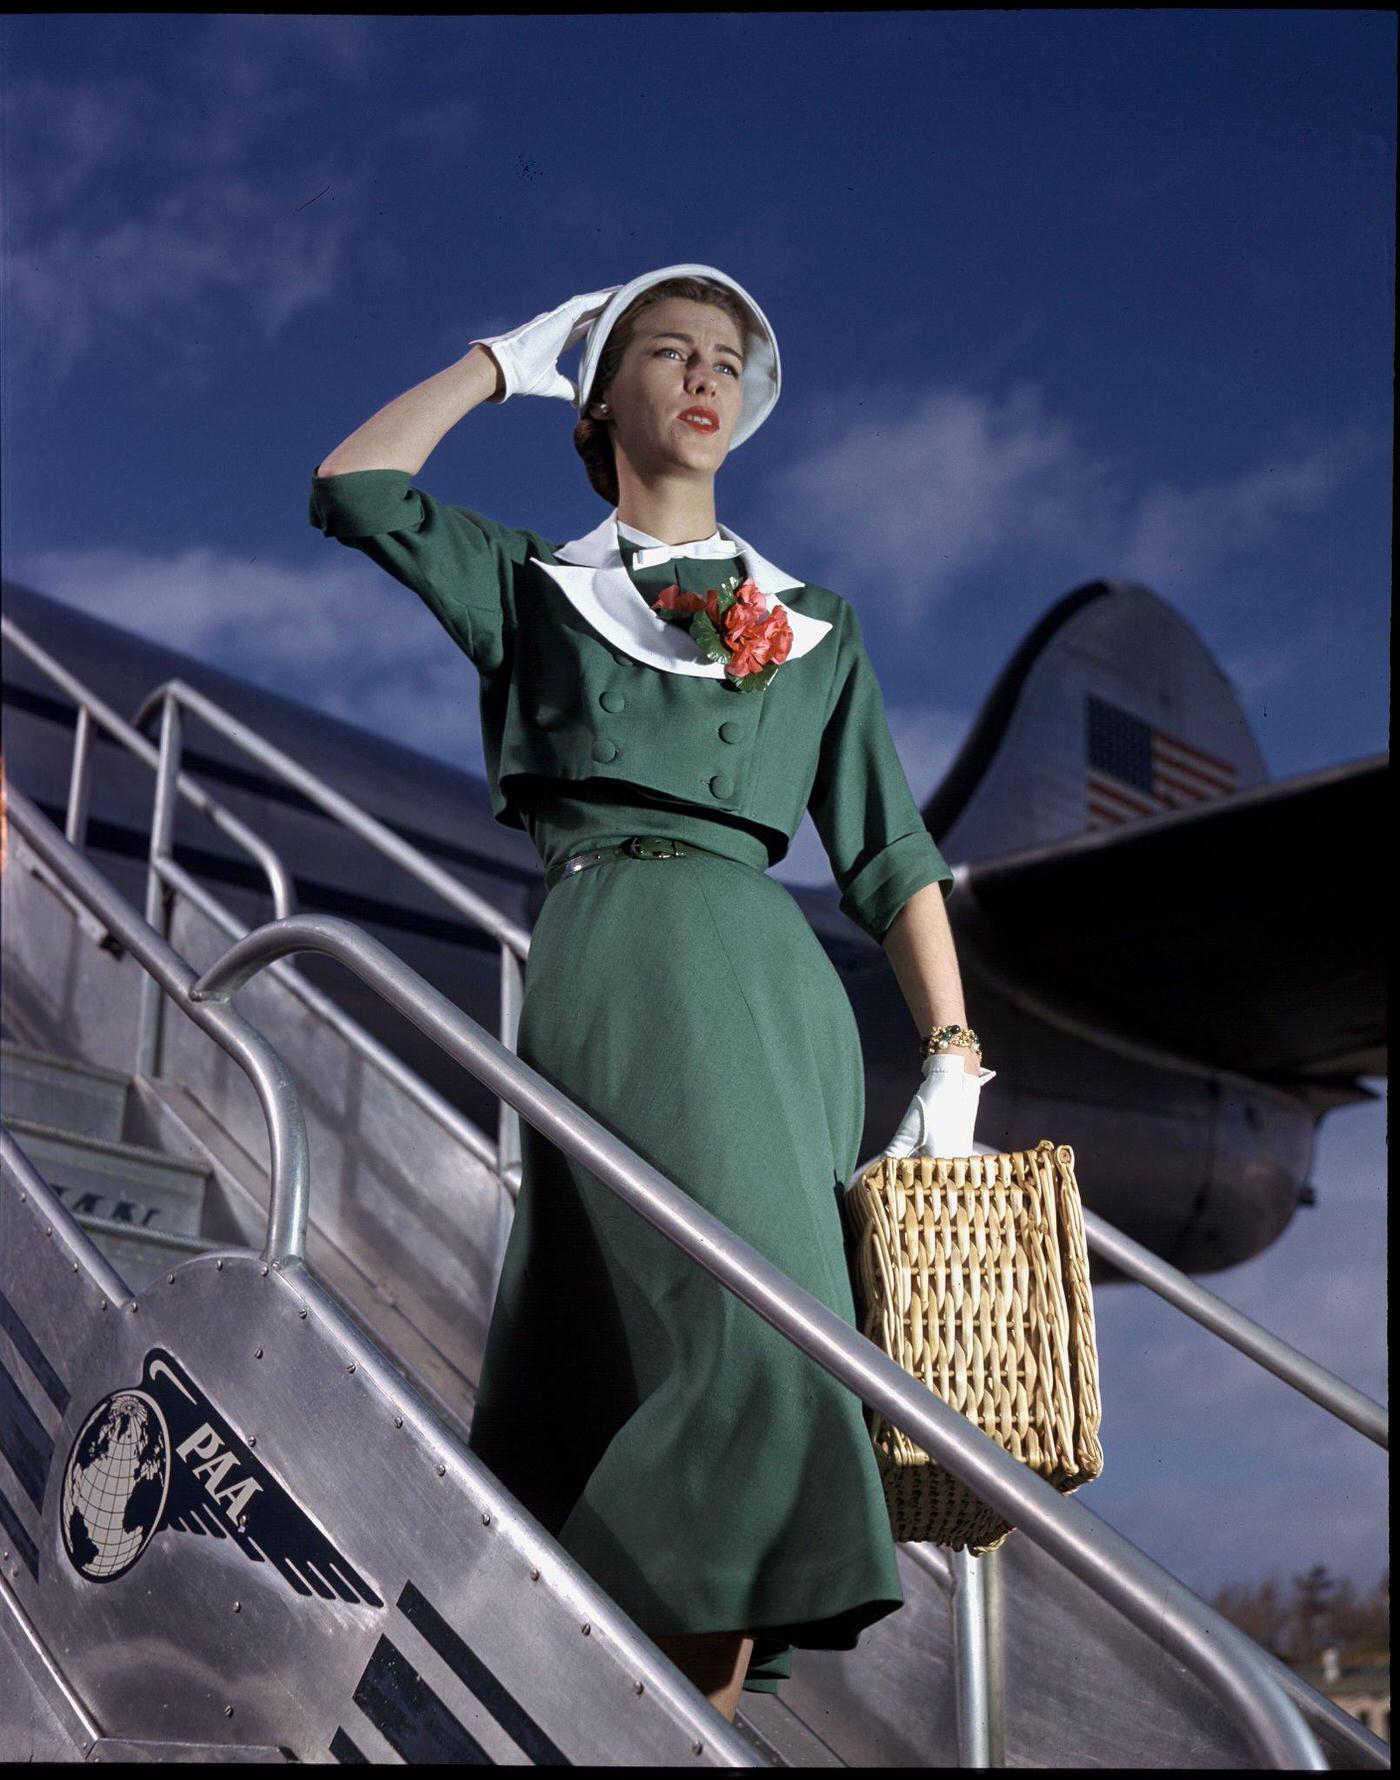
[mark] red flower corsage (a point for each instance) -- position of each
(732, 625)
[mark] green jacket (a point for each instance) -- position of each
(580, 680)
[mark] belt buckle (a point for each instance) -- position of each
(634, 846)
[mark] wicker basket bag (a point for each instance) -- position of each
(973, 1274)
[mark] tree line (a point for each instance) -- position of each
(1298, 1622)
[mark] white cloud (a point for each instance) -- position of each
(300, 632)
(919, 492)
(1260, 667)
(926, 492)
(215, 235)
(258, 55)
(233, 215)
(1176, 537)
(61, 135)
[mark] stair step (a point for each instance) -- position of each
(779, 1736)
(138, 1188)
(143, 1256)
(65, 1096)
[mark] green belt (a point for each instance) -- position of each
(636, 846)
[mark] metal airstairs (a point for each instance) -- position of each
(247, 1261)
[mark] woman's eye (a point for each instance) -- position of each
(733, 370)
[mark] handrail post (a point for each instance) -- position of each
(75, 827)
(970, 1662)
(993, 1575)
(289, 1152)
(92, 711)
(508, 1144)
(157, 903)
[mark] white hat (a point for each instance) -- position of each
(762, 376)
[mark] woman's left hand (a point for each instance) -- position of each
(942, 1116)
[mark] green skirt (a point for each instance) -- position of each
(709, 1475)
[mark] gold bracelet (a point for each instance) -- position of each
(950, 1038)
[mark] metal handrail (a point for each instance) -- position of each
(349, 814)
(1227, 1661)
(286, 1126)
(514, 939)
(1259, 1344)
(503, 1157)
(406, 1080)
(1332, 1393)
(32, 1185)
(91, 706)
(1323, 1387)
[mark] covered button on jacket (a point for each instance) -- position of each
(580, 679)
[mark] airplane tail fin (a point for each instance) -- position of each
(1111, 710)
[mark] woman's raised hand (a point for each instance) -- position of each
(528, 356)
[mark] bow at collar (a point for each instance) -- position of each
(650, 553)
(593, 576)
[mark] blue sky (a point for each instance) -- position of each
(1059, 295)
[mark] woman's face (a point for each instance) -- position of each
(676, 396)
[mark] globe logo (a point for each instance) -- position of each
(115, 1485)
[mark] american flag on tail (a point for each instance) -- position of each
(1134, 770)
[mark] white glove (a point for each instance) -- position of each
(529, 355)
(942, 1115)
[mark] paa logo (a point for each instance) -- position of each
(159, 1456)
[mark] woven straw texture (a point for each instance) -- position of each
(973, 1274)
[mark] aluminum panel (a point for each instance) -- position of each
(294, 1460)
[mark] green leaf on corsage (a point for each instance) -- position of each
(705, 634)
(755, 682)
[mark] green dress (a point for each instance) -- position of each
(700, 1467)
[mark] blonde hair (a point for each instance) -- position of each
(593, 438)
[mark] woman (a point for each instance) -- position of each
(659, 705)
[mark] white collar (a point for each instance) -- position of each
(594, 578)
(650, 552)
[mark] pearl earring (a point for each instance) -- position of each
(602, 407)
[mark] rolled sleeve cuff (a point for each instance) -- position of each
(364, 503)
(883, 885)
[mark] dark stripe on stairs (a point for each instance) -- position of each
(468, 1666)
(344, 1750)
(32, 1355)
(23, 1440)
(15, 1532)
(410, 1717)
